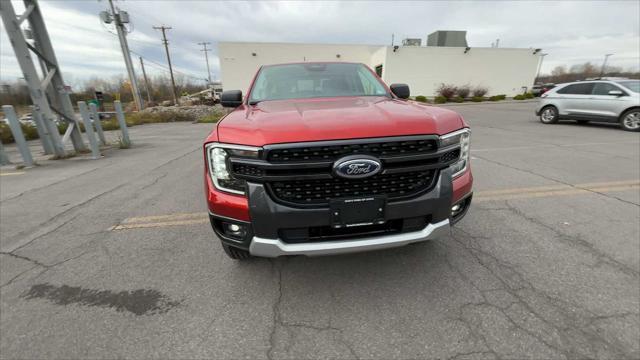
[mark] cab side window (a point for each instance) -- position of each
(604, 88)
(577, 89)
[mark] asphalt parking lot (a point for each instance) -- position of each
(115, 258)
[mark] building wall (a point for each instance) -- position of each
(238, 65)
(501, 70)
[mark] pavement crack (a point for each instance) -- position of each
(277, 316)
(576, 241)
(25, 258)
(155, 181)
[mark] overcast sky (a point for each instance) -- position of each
(570, 32)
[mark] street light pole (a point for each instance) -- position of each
(604, 64)
(540, 66)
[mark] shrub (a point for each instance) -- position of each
(477, 99)
(440, 100)
(498, 97)
(458, 99)
(528, 95)
(480, 91)
(447, 91)
(464, 91)
(422, 99)
(519, 97)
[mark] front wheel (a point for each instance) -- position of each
(630, 120)
(549, 115)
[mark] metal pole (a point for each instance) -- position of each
(127, 56)
(539, 66)
(4, 159)
(96, 122)
(146, 81)
(43, 132)
(88, 129)
(18, 136)
(123, 124)
(166, 48)
(21, 49)
(206, 58)
(604, 64)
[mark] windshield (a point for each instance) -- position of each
(633, 85)
(299, 81)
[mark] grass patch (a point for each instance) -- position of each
(209, 119)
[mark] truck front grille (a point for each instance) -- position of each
(395, 186)
(334, 152)
(300, 174)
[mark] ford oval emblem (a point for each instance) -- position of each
(357, 166)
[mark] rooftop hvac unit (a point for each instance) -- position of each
(412, 42)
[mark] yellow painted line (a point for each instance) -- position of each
(557, 188)
(159, 224)
(12, 173)
(529, 195)
(177, 216)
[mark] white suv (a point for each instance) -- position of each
(599, 101)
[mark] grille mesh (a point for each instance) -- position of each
(333, 152)
(320, 191)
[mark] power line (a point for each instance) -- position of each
(165, 68)
(166, 48)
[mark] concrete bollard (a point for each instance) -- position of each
(123, 124)
(96, 121)
(88, 128)
(18, 136)
(4, 159)
(43, 132)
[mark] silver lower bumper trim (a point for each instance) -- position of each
(276, 247)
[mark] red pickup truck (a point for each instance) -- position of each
(324, 158)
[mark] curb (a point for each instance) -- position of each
(488, 102)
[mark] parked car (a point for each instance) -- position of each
(324, 158)
(599, 101)
(539, 89)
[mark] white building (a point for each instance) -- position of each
(502, 70)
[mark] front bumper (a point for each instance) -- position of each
(268, 221)
(276, 247)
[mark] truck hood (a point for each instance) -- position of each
(298, 120)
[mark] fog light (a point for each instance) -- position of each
(456, 209)
(233, 230)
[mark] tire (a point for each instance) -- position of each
(630, 120)
(582, 122)
(549, 115)
(235, 253)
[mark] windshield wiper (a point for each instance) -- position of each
(254, 102)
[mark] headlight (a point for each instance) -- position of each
(462, 137)
(219, 166)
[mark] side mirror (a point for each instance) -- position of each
(231, 98)
(400, 90)
(616, 93)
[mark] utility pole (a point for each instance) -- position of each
(540, 66)
(120, 18)
(604, 64)
(166, 48)
(206, 58)
(146, 81)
